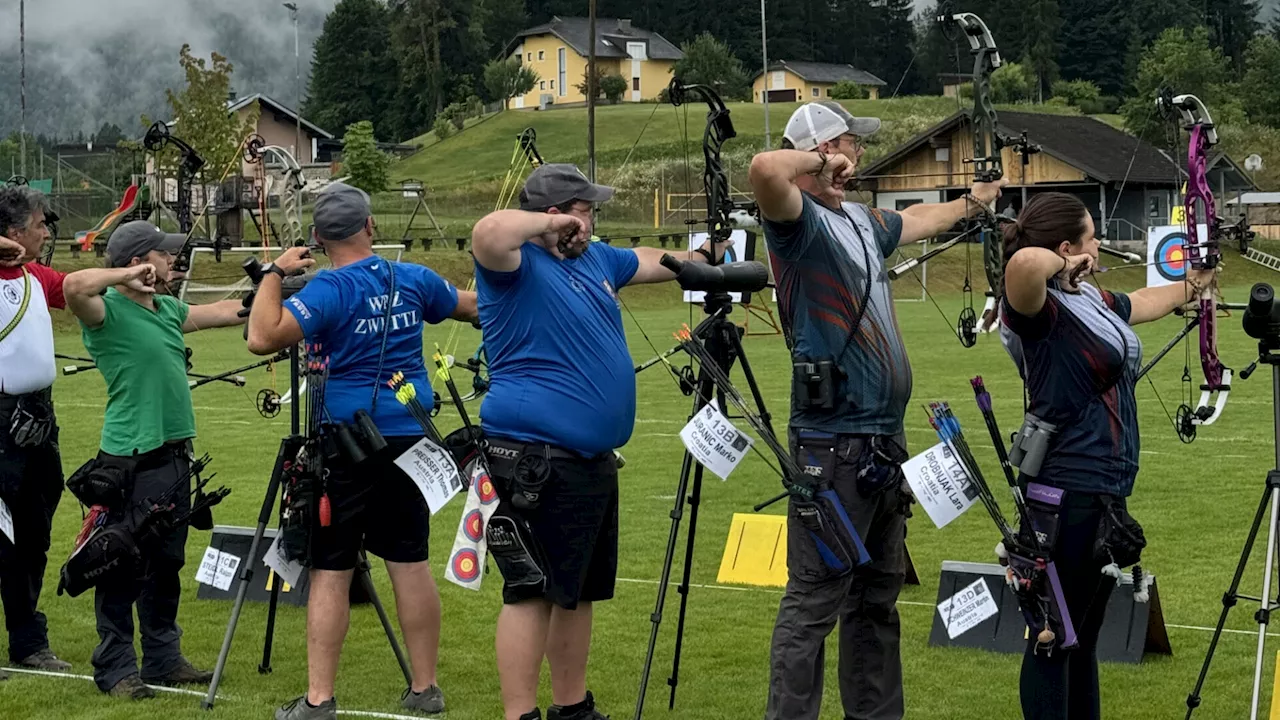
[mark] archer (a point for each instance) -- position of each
(850, 388)
(133, 331)
(30, 462)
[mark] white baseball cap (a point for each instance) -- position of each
(817, 122)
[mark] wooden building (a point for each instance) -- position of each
(797, 81)
(1127, 183)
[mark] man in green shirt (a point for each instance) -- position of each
(134, 333)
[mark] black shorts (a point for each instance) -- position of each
(574, 529)
(374, 505)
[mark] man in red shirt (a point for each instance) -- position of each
(30, 465)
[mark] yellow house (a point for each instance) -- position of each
(558, 52)
(797, 81)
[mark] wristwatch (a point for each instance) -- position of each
(274, 268)
(711, 259)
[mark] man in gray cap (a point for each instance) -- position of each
(368, 314)
(836, 306)
(133, 332)
(562, 397)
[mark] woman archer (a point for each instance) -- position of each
(1079, 357)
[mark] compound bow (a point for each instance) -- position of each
(988, 167)
(1204, 232)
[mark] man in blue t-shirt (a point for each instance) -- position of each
(562, 397)
(850, 388)
(367, 316)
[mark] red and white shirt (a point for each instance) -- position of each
(26, 353)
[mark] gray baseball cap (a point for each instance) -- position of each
(136, 239)
(558, 183)
(817, 122)
(340, 211)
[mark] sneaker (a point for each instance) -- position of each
(430, 700)
(3, 675)
(133, 688)
(299, 709)
(184, 674)
(534, 714)
(45, 660)
(585, 710)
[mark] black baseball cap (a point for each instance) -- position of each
(340, 211)
(136, 239)
(558, 183)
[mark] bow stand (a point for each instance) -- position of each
(722, 340)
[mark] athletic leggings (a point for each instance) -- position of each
(1064, 685)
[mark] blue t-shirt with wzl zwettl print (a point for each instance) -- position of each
(344, 311)
(559, 369)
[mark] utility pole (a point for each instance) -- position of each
(764, 92)
(297, 80)
(22, 50)
(591, 92)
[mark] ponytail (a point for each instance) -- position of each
(1047, 220)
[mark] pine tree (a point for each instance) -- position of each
(1094, 42)
(1040, 43)
(353, 74)
(1232, 23)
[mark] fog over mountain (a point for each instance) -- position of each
(96, 61)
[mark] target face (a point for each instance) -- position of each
(1171, 257)
(473, 526)
(466, 565)
(484, 486)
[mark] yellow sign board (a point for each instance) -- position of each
(756, 551)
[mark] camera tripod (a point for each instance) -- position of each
(289, 447)
(1268, 354)
(723, 340)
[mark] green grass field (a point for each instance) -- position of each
(1195, 502)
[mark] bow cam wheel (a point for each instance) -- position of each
(1184, 423)
(967, 327)
(688, 381)
(268, 403)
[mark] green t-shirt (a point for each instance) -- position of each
(142, 357)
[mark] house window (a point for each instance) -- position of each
(553, 84)
(542, 55)
(560, 58)
(543, 85)
(942, 154)
(828, 92)
(815, 92)
(635, 84)
(530, 57)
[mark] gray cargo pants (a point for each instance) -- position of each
(863, 602)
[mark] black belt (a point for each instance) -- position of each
(158, 457)
(512, 450)
(9, 402)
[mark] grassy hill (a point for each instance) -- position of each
(483, 151)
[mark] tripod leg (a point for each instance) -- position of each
(265, 667)
(705, 387)
(695, 497)
(367, 579)
(1264, 612)
(288, 449)
(1230, 598)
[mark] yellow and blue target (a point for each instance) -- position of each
(473, 526)
(1171, 257)
(466, 565)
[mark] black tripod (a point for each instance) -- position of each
(723, 341)
(288, 451)
(1268, 354)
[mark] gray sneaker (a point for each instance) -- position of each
(45, 660)
(133, 688)
(430, 700)
(4, 675)
(299, 709)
